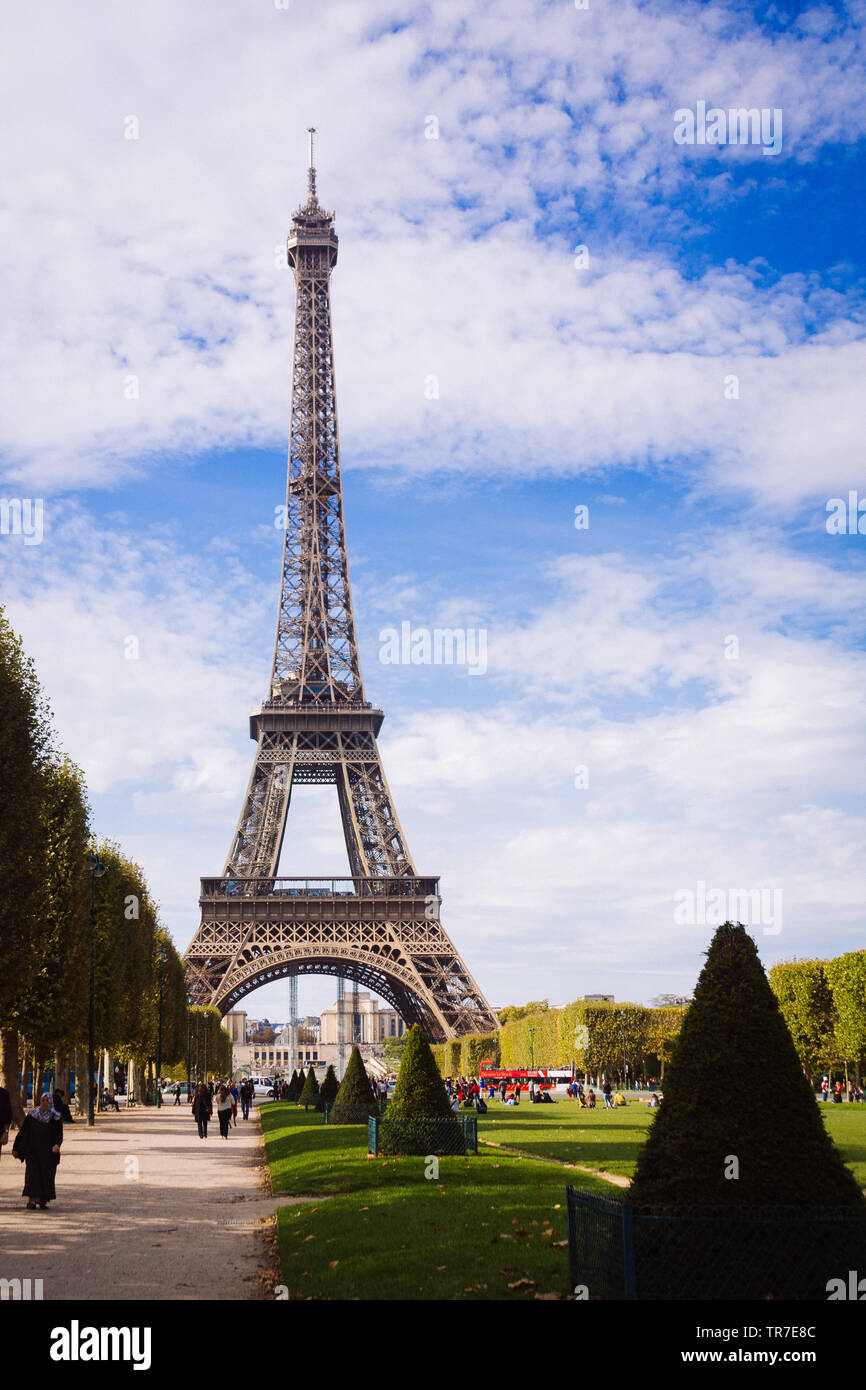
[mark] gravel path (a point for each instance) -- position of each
(145, 1209)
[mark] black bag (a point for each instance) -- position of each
(481, 1107)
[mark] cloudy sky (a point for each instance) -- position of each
(543, 302)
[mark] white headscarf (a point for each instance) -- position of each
(44, 1115)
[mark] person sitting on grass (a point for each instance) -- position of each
(546, 1098)
(590, 1099)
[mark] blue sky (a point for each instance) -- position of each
(155, 258)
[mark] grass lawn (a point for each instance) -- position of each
(610, 1141)
(385, 1231)
(487, 1226)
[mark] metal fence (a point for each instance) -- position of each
(455, 1134)
(621, 1250)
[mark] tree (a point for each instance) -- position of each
(355, 1100)
(302, 1081)
(329, 1088)
(310, 1091)
(25, 742)
(808, 1008)
(419, 1092)
(51, 1013)
(846, 976)
(768, 1121)
(393, 1051)
(294, 1086)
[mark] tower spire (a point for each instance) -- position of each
(312, 200)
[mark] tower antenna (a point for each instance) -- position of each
(311, 170)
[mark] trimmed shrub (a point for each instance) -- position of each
(452, 1057)
(419, 1096)
(328, 1090)
(294, 1086)
(355, 1102)
(768, 1121)
(310, 1091)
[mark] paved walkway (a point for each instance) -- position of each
(145, 1209)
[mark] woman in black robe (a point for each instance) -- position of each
(37, 1145)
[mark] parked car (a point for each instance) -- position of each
(262, 1085)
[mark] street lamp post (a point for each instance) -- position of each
(532, 1047)
(97, 869)
(205, 1052)
(197, 1072)
(162, 955)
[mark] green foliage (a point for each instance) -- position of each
(52, 1012)
(478, 1048)
(846, 976)
(768, 1120)
(328, 1090)
(419, 1092)
(452, 1057)
(310, 1090)
(294, 1086)
(393, 1052)
(355, 1100)
(302, 1081)
(438, 1050)
(25, 741)
(518, 1047)
(807, 1005)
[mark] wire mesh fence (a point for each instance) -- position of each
(455, 1134)
(621, 1250)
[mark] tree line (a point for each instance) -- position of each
(823, 1003)
(47, 895)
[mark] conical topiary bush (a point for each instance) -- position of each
(355, 1100)
(420, 1091)
(419, 1119)
(310, 1090)
(302, 1081)
(328, 1089)
(739, 1131)
(294, 1086)
(735, 1086)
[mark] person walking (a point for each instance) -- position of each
(58, 1100)
(177, 1093)
(245, 1101)
(202, 1109)
(224, 1111)
(503, 1090)
(37, 1146)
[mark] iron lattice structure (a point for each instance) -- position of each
(380, 928)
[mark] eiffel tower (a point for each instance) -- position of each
(380, 927)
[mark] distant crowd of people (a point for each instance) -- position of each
(836, 1091)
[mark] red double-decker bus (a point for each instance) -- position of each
(520, 1077)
